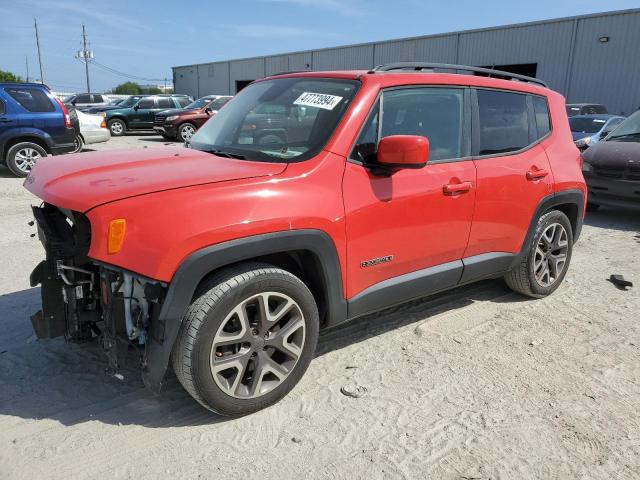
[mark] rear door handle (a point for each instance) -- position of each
(5, 120)
(452, 188)
(536, 174)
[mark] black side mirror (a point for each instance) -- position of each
(136, 107)
(208, 110)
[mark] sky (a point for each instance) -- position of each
(145, 38)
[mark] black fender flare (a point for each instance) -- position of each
(206, 260)
(564, 197)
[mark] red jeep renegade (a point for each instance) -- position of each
(310, 199)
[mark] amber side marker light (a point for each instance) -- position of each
(117, 229)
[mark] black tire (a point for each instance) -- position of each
(16, 155)
(212, 304)
(592, 207)
(186, 131)
(167, 137)
(117, 127)
(522, 278)
(79, 144)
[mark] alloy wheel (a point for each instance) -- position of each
(550, 256)
(116, 128)
(186, 132)
(26, 158)
(257, 345)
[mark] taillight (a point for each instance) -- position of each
(65, 113)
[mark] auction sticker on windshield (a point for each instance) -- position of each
(318, 100)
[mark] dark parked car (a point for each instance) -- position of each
(612, 167)
(587, 130)
(140, 116)
(33, 124)
(127, 102)
(585, 109)
(183, 123)
(82, 101)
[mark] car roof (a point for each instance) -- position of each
(23, 84)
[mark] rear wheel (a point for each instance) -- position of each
(545, 264)
(117, 127)
(78, 143)
(186, 131)
(247, 339)
(22, 157)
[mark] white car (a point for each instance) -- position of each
(93, 129)
(82, 101)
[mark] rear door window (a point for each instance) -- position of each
(84, 98)
(504, 122)
(32, 99)
(165, 103)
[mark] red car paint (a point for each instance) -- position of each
(176, 201)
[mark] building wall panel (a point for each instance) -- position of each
(346, 58)
(213, 79)
(607, 72)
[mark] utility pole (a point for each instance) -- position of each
(35, 23)
(86, 56)
(26, 61)
(165, 84)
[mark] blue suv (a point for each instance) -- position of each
(33, 124)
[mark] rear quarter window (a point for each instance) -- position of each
(541, 111)
(32, 99)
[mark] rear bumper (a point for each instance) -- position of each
(63, 143)
(615, 193)
(96, 136)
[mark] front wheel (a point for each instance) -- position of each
(22, 157)
(117, 127)
(247, 339)
(186, 131)
(545, 263)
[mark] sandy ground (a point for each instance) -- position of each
(477, 384)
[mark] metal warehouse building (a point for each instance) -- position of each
(588, 58)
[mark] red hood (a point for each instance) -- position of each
(82, 181)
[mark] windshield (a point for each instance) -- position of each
(201, 102)
(218, 104)
(116, 102)
(130, 102)
(286, 119)
(629, 129)
(586, 125)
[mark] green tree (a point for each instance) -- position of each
(127, 88)
(154, 91)
(9, 77)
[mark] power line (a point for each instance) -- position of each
(123, 74)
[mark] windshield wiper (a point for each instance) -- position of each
(626, 135)
(222, 153)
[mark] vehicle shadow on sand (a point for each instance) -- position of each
(627, 220)
(68, 382)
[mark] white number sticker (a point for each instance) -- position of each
(318, 100)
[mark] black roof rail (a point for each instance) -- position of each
(420, 66)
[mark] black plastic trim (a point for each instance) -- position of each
(202, 262)
(485, 265)
(405, 287)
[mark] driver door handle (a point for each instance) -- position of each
(451, 188)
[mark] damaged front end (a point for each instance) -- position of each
(84, 300)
